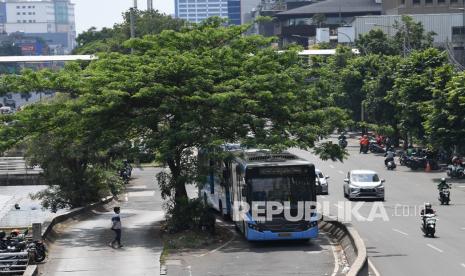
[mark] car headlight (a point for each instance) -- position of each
(380, 186)
(353, 187)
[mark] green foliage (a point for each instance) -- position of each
(180, 90)
(409, 36)
(376, 42)
(184, 214)
(112, 39)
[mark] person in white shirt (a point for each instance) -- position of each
(116, 227)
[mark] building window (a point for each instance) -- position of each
(24, 13)
(24, 7)
(18, 13)
(441, 1)
(453, 1)
(428, 2)
(34, 21)
(24, 21)
(19, 21)
(416, 2)
(458, 30)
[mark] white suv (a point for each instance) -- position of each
(363, 184)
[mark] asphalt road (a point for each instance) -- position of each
(82, 247)
(240, 257)
(397, 246)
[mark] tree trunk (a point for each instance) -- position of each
(179, 187)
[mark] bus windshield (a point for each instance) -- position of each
(291, 188)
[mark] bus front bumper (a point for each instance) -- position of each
(254, 235)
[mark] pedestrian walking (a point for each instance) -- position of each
(116, 227)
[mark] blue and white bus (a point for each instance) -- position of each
(251, 176)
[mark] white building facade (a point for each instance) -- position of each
(52, 20)
(198, 10)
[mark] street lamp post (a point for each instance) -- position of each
(132, 22)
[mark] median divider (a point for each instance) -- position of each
(47, 226)
(352, 244)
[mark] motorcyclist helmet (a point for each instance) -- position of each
(2, 235)
(15, 233)
(443, 179)
(428, 206)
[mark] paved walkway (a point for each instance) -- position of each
(82, 248)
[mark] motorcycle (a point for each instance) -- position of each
(37, 251)
(376, 148)
(343, 143)
(391, 165)
(455, 171)
(428, 225)
(444, 196)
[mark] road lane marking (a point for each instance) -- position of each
(338, 206)
(331, 166)
(341, 172)
(372, 266)
(400, 232)
(463, 265)
(461, 186)
(435, 248)
(323, 197)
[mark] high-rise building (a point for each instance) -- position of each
(198, 10)
(51, 20)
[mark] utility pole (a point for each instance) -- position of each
(149, 5)
(132, 22)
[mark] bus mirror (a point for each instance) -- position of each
(346, 180)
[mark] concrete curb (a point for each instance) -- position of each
(352, 244)
(48, 225)
(31, 270)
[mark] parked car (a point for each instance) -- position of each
(322, 181)
(363, 184)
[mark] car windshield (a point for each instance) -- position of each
(320, 175)
(280, 188)
(365, 177)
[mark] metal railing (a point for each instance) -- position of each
(13, 263)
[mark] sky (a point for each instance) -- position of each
(105, 13)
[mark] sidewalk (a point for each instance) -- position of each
(82, 248)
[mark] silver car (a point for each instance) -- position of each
(363, 184)
(322, 181)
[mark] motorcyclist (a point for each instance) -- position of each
(443, 184)
(342, 137)
(428, 210)
(457, 161)
(364, 142)
(389, 156)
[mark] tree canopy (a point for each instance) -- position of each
(179, 90)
